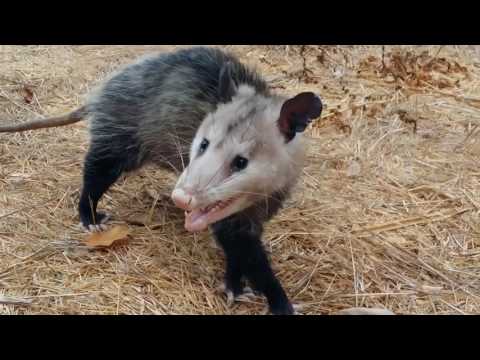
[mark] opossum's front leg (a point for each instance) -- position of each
(234, 286)
(99, 174)
(245, 256)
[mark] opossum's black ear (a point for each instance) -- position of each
(297, 113)
(227, 87)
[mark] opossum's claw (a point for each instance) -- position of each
(100, 226)
(229, 293)
(230, 298)
(97, 228)
(247, 291)
(246, 295)
(297, 308)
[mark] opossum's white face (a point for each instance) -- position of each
(240, 155)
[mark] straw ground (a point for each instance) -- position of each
(386, 214)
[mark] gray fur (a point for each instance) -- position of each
(150, 111)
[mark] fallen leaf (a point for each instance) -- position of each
(28, 97)
(364, 311)
(107, 238)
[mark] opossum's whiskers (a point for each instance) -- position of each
(179, 150)
(168, 162)
(217, 172)
(221, 167)
(234, 192)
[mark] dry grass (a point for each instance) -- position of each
(385, 216)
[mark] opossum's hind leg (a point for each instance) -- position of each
(99, 174)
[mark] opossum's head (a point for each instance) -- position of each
(244, 152)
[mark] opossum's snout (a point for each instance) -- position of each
(183, 199)
(204, 207)
(197, 216)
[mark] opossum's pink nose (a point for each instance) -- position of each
(182, 199)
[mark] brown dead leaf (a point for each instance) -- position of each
(407, 119)
(107, 238)
(28, 94)
(414, 70)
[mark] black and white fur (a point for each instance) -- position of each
(202, 112)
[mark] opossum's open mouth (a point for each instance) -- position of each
(199, 219)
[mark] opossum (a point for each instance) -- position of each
(237, 147)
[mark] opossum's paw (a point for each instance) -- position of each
(297, 308)
(102, 219)
(93, 228)
(245, 295)
(97, 228)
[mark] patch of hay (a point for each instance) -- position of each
(386, 215)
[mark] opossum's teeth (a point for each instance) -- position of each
(199, 219)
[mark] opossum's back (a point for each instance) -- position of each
(181, 80)
(135, 92)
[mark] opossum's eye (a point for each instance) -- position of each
(203, 146)
(239, 163)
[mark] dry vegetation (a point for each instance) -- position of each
(386, 214)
